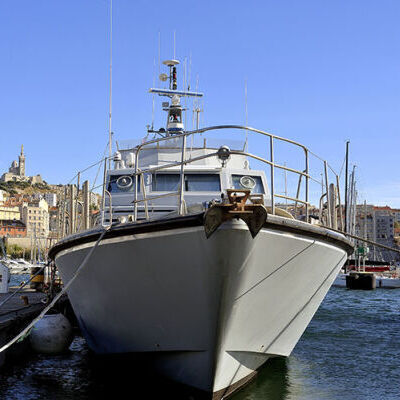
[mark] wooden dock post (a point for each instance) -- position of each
(86, 205)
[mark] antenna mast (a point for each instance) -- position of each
(174, 44)
(110, 100)
(245, 110)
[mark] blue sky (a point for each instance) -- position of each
(317, 72)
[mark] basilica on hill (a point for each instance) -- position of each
(16, 172)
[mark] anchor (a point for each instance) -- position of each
(254, 214)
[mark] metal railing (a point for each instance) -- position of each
(273, 139)
(301, 199)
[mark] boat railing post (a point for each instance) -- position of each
(110, 212)
(182, 181)
(146, 206)
(136, 182)
(271, 148)
(103, 208)
(332, 200)
(297, 194)
(307, 185)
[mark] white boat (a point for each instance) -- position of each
(19, 266)
(201, 274)
(390, 281)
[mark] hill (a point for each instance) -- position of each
(25, 187)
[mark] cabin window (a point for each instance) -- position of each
(238, 180)
(165, 182)
(202, 183)
(193, 183)
(122, 184)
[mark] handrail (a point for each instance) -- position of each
(179, 145)
(110, 210)
(271, 162)
(281, 196)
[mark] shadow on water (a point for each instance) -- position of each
(271, 382)
(115, 376)
(79, 374)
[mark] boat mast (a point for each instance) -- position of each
(346, 188)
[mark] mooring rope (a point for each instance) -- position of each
(26, 331)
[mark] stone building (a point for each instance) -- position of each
(9, 212)
(16, 172)
(3, 196)
(384, 229)
(35, 215)
(51, 199)
(396, 212)
(12, 228)
(377, 224)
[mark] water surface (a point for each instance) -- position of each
(350, 351)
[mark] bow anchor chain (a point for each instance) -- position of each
(254, 214)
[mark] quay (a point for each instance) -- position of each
(17, 313)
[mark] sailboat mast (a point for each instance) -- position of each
(346, 200)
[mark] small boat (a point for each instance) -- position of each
(388, 280)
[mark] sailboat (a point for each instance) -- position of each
(199, 271)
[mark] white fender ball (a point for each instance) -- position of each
(51, 335)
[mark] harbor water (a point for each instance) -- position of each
(351, 350)
(18, 279)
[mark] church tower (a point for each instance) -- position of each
(21, 165)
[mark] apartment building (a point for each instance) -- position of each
(12, 228)
(9, 213)
(35, 215)
(377, 224)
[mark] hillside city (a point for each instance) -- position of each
(31, 209)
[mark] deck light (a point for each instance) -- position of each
(224, 153)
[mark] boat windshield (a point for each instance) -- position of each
(193, 182)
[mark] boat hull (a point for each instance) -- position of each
(206, 312)
(387, 282)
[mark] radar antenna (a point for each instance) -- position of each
(173, 108)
